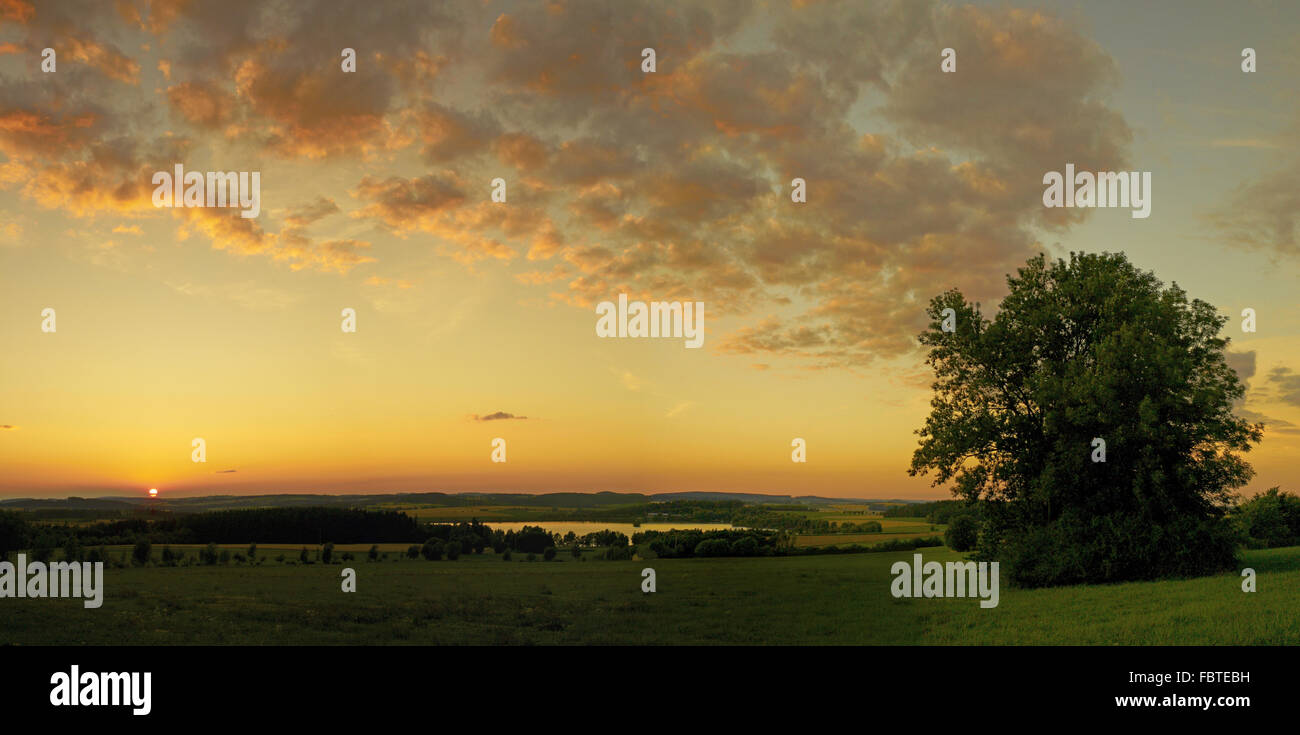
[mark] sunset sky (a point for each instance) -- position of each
(179, 323)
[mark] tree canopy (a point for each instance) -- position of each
(1085, 349)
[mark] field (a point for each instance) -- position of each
(482, 599)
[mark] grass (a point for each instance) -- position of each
(481, 599)
(1200, 611)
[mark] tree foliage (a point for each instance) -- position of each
(1084, 349)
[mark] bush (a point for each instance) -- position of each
(745, 546)
(575, 551)
(209, 555)
(618, 553)
(453, 551)
(302, 556)
(168, 558)
(413, 552)
(72, 549)
(1271, 519)
(225, 556)
(531, 556)
(505, 555)
(549, 554)
(140, 554)
(1112, 548)
(15, 533)
(432, 550)
(374, 553)
(252, 552)
(713, 547)
(963, 533)
(43, 548)
(327, 553)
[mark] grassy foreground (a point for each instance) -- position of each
(842, 599)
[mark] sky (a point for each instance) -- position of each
(475, 319)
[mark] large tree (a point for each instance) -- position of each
(1088, 349)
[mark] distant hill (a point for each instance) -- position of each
(73, 503)
(544, 500)
(761, 498)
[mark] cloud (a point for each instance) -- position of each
(630, 381)
(305, 214)
(1243, 363)
(202, 104)
(382, 281)
(8, 427)
(678, 409)
(228, 231)
(498, 416)
(224, 472)
(1263, 214)
(673, 185)
(1285, 383)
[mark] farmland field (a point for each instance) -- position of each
(481, 599)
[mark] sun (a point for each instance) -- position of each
(153, 492)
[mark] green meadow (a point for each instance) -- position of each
(482, 599)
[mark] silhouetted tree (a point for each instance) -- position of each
(1084, 349)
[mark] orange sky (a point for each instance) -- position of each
(177, 323)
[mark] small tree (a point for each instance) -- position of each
(302, 556)
(225, 556)
(327, 553)
(413, 552)
(43, 548)
(745, 546)
(15, 533)
(432, 550)
(168, 558)
(576, 551)
(140, 554)
(252, 553)
(374, 553)
(453, 551)
(505, 556)
(209, 555)
(549, 554)
(72, 549)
